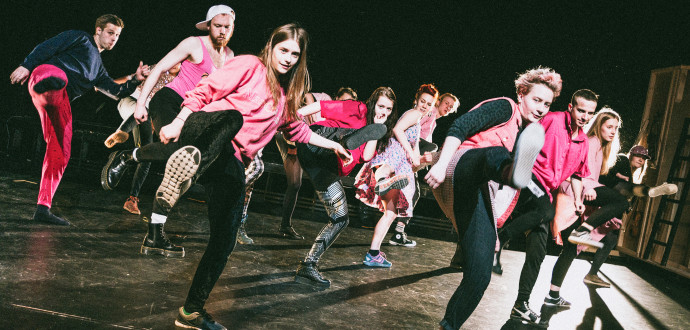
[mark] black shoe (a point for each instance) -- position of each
(557, 302)
(364, 134)
(115, 168)
(400, 239)
(196, 320)
(458, 260)
(522, 313)
(307, 273)
(383, 186)
(289, 232)
(497, 268)
(49, 84)
(156, 242)
(44, 215)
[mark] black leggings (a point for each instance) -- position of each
(143, 135)
(293, 174)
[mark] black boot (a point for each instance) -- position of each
(361, 136)
(307, 273)
(43, 214)
(115, 168)
(156, 242)
(458, 258)
(289, 232)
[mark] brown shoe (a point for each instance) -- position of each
(595, 280)
(132, 205)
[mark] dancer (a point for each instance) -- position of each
(324, 169)
(405, 150)
(199, 56)
(142, 134)
(59, 70)
(625, 177)
(564, 156)
(252, 173)
(293, 170)
(477, 151)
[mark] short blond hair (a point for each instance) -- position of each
(540, 75)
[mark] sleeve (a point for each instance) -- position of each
(220, 83)
(296, 131)
(105, 83)
(583, 169)
(594, 160)
(339, 110)
(47, 49)
(482, 118)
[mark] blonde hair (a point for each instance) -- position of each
(456, 102)
(540, 75)
(609, 149)
(296, 81)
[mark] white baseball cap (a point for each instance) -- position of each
(212, 12)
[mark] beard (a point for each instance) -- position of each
(219, 43)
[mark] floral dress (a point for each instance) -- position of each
(396, 157)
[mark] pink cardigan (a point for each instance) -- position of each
(241, 85)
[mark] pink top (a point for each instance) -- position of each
(562, 156)
(241, 85)
(345, 114)
(191, 73)
(428, 124)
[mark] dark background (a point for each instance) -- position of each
(471, 49)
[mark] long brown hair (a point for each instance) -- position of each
(296, 82)
(609, 149)
(390, 121)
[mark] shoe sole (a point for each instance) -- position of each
(557, 306)
(399, 183)
(527, 149)
(181, 166)
(664, 189)
(391, 242)
(133, 211)
(597, 284)
(156, 251)
(365, 134)
(588, 242)
(376, 264)
(304, 280)
(180, 326)
(104, 171)
(527, 322)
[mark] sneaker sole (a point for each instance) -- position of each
(365, 134)
(376, 264)
(392, 242)
(527, 149)
(156, 251)
(181, 166)
(597, 284)
(664, 189)
(396, 184)
(526, 321)
(180, 326)
(304, 280)
(588, 242)
(104, 171)
(557, 306)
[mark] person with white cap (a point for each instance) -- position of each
(199, 57)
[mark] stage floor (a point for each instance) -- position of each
(91, 275)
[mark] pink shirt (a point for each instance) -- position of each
(241, 85)
(428, 124)
(191, 73)
(345, 114)
(562, 156)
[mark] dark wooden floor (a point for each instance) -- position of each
(91, 275)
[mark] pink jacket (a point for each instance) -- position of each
(241, 85)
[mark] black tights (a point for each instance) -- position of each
(293, 174)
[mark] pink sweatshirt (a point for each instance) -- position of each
(241, 85)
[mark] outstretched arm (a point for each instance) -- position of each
(408, 119)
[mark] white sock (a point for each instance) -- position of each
(158, 218)
(134, 155)
(400, 227)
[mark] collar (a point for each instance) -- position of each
(581, 136)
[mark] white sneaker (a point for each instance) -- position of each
(663, 189)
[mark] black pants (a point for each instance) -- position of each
(537, 213)
(321, 166)
(142, 135)
(611, 204)
(610, 241)
(293, 174)
(475, 228)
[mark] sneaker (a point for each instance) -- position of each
(584, 238)
(363, 135)
(556, 302)
(663, 189)
(595, 280)
(395, 182)
(196, 320)
(181, 167)
(522, 313)
(401, 240)
(527, 149)
(377, 261)
(132, 205)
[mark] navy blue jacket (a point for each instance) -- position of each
(76, 53)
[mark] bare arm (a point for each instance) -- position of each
(309, 109)
(576, 185)
(406, 121)
(369, 150)
(437, 173)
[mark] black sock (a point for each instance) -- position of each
(373, 253)
(554, 294)
(43, 214)
(49, 84)
(582, 228)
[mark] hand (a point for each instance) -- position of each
(142, 71)
(414, 159)
(436, 175)
(19, 75)
(590, 195)
(171, 132)
(343, 154)
(579, 208)
(380, 120)
(140, 113)
(428, 157)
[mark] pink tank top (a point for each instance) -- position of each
(191, 73)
